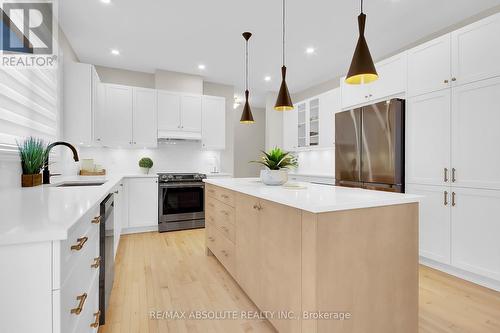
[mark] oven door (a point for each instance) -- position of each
(181, 202)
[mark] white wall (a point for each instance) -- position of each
(249, 141)
(125, 77)
(179, 82)
(181, 156)
(274, 123)
(317, 162)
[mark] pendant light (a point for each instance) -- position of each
(362, 69)
(283, 102)
(246, 115)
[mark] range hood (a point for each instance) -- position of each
(178, 135)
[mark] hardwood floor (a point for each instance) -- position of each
(170, 271)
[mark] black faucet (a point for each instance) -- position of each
(46, 172)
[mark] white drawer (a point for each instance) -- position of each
(65, 258)
(78, 284)
(89, 318)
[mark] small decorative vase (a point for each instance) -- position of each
(274, 177)
(31, 180)
(145, 171)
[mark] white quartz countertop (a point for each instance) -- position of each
(46, 213)
(314, 198)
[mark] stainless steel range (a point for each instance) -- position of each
(181, 201)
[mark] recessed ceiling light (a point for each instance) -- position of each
(310, 50)
(201, 67)
(115, 52)
(267, 78)
(106, 1)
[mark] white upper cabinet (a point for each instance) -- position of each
(391, 82)
(434, 221)
(169, 111)
(81, 84)
(329, 104)
(114, 120)
(191, 113)
(179, 115)
(290, 130)
(475, 134)
(428, 132)
(145, 118)
(476, 51)
(475, 230)
(214, 123)
(429, 66)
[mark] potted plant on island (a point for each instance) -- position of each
(145, 164)
(33, 153)
(277, 162)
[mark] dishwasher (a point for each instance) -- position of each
(106, 252)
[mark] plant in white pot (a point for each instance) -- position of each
(277, 163)
(145, 164)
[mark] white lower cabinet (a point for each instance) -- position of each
(475, 231)
(435, 219)
(142, 203)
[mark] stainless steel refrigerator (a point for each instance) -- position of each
(369, 146)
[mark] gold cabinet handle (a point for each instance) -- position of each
(225, 212)
(81, 242)
(225, 228)
(224, 196)
(96, 220)
(97, 315)
(224, 253)
(453, 202)
(453, 178)
(82, 298)
(256, 207)
(97, 262)
(446, 198)
(445, 175)
(211, 191)
(211, 239)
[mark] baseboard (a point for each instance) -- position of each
(460, 273)
(136, 230)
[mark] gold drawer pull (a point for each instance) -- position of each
(97, 262)
(225, 212)
(211, 191)
(225, 196)
(211, 239)
(224, 253)
(82, 298)
(81, 242)
(96, 220)
(225, 228)
(95, 324)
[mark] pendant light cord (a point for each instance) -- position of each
(283, 31)
(246, 65)
(361, 6)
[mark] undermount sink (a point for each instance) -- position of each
(78, 184)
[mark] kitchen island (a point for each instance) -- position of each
(318, 258)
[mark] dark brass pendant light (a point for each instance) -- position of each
(283, 102)
(246, 115)
(362, 69)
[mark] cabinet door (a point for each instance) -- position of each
(329, 104)
(191, 113)
(475, 230)
(302, 125)
(392, 78)
(145, 118)
(280, 255)
(115, 117)
(143, 202)
(434, 221)
(248, 255)
(313, 119)
(353, 94)
(428, 138)
(429, 66)
(290, 133)
(476, 50)
(213, 134)
(169, 111)
(475, 134)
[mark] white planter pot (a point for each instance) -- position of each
(274, 177)
(145, 171)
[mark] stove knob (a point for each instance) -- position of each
(170, 177)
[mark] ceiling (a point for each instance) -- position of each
(179, 35)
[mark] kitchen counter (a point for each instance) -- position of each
(315, 198)
(47, 212)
